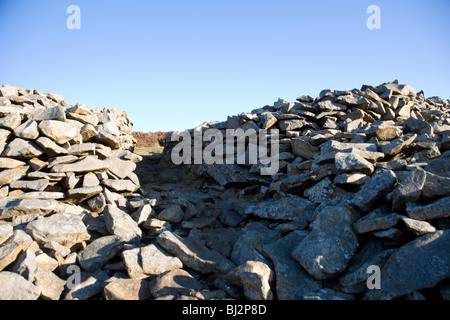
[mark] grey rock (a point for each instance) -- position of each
(288, 208)
(59, 131)
(120, 185)
(255, 278)
(121, 224)
(380, 184)
(11, 248)
(249, 244)
(6, 231)
(303, 148)
(10, 175)
(16, 287)
(409, 190)
(25, 265)
(27, 185)
(325, 190)
(434, 210)
(435, 186)
(15, 207)
(349, 162)
(156, 260)
(396, 145)
(127, 289)
(22, 149)
(78, 195)
(194, 254)
(7, 163)
(50, 284)
(51, 148)
(417, 228)
(52, 113)
(27, 130)
(419, 264)
(175, 283)
(292, 280)
(376, 220)
(64, 228)
(11, 121)
(88, 164)
(87, 288)
(99, 251)
(328, 248)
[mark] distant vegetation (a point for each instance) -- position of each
(149, 139)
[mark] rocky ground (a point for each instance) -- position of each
(364, 181)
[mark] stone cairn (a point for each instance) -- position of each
(363, 186)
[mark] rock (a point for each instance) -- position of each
(325, 190)
(120, 185)
(50, 147)
(174, 283)
(88, 164)
(173, 213)
(11, 121)
(121, 224)
(22, 149)
(78, 195)
(419, 264)
(249, 245)
(417, 228)
(133, 263)
(327, 294)
(434, 210)
(15, 287)
(6, 163)
(64, 228)
(50, 284)
(17, 207)
(301, 147)
(349, 162)
(194, 254)
(435, 186)
(52, 113)
(409, 190)
(351, 178)
(127, 289)
(99, 251)
(376, 220)
(33, 185)
(267, 120)
(88, 288)
(6, 231)
(25, 265)
(156, 261)
(376, 187)
(143, 214)
(255, 277)
(388, 133)
(292, 280)
(11, 248)
(396, 145)
(108, 139)
(59, 131)
(289, 208)
(10, 175)
(326, 251)
(27, 130)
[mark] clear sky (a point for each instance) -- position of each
(170, 63)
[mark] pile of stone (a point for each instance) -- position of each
(364, 181)
(363, 185)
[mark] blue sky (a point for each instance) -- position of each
(171, 63)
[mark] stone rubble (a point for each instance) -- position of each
(364, 180)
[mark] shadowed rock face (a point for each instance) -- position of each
(362, 184)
